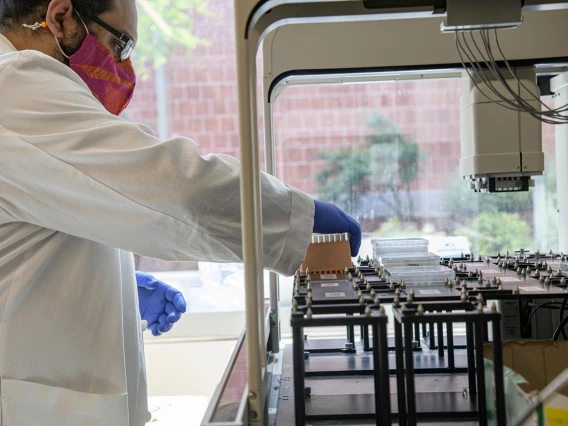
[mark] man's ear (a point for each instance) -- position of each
(60, 19)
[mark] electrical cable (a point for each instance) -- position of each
(462, 52)
(556, 110)
(542, 305)
(559, 329)
(562, 309)
(549, 112)
(474, 63)
(485, 64)
(521, 104)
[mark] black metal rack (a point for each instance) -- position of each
(423, 321)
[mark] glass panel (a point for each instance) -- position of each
(186, 66)
(388, 153)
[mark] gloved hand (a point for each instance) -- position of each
(160, 305)
(330, 219)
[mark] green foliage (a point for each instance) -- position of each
(549, 225)
(165, 28)
(494, 232)
(460, 200)
(345, 178)
(394, 228)
(388, 165)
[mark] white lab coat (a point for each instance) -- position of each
(80, 190)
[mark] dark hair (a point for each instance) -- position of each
(15, 12)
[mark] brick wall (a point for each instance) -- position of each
(202, 105)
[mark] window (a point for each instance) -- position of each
(187, 87)
(388, 154)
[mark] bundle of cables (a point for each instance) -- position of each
(480, 63)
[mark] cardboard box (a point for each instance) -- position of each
(530, 366)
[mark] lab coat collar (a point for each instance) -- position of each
(6, 45)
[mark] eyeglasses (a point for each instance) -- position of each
(128, 43)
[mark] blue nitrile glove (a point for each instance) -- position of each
(330, 219)
(160, 305)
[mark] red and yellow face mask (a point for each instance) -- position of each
(112, 82)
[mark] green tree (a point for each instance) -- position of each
(165, 28)
(387, 166)
(494, 232)
(394, 228)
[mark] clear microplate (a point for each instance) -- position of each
(409, 259)
(383, 246)
(420, 275)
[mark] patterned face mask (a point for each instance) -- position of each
(112, 82)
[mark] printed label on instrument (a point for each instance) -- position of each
(429, 292)
(337, 294)
(330, 284)
(509, 279)
(328, 276)
(532, 289)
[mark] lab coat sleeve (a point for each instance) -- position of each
(69, 165)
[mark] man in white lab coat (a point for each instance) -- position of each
(81, 189)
